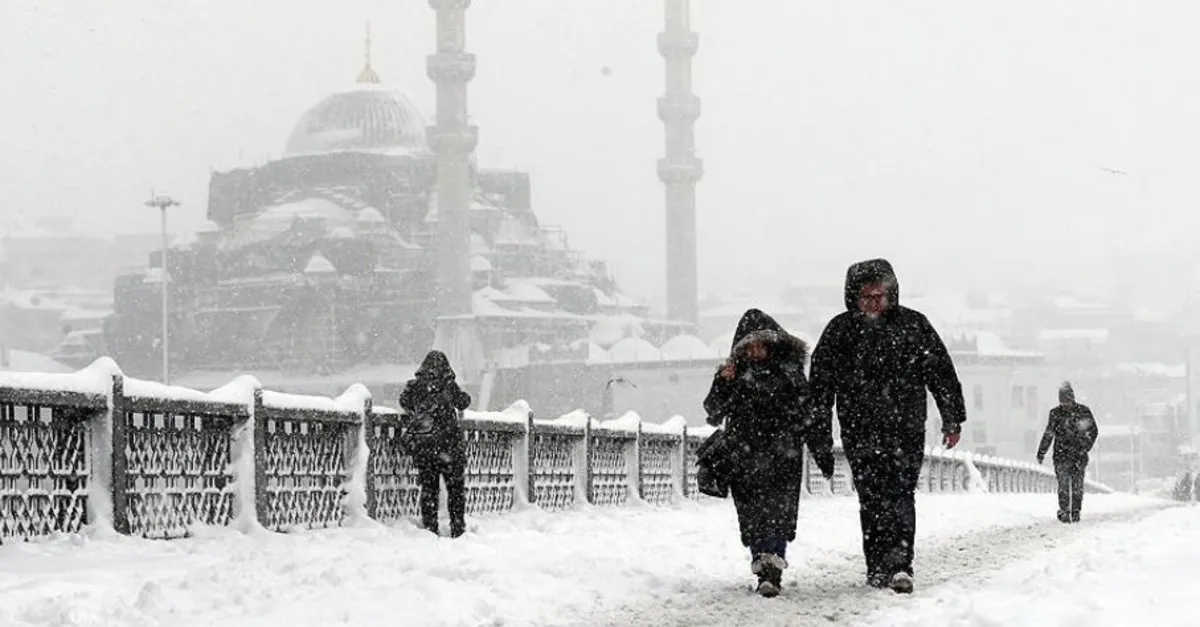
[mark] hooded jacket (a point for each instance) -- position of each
(1071, 428)
(432, 400)
(765, 405)
(877, 371)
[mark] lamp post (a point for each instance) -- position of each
(163, 201)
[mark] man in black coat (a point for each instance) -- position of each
(875, 362)
(760, 394)
(1072, 429)
(434, 439)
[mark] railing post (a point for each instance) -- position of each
(580, 463)
(637, 486)
(367, 429)
(261, 509)
(530, 475)
(681, 475)
(587, 454)
(119, 480)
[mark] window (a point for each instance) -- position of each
(1032, 405)
(979, 433)
(977, 395)
(1031, 442)
(1018, 397)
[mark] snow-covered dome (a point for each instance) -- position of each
(722, 344)
(633, 349)
(368, 117)
(687, 347)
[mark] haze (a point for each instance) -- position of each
(975, 144)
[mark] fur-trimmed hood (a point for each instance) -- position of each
(757, 326)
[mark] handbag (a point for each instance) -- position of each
(713, 465)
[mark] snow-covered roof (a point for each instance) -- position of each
(318, 264)
(25, 361)
(525, 292)
(990, 344)
(634, 349)
(480, 264)
(1098, 335)
(369, 118)
(1169, 371)
(609, 330)
(479, 246)
(686, 347)
(371, 215)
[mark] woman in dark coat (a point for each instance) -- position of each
(760, 393)
(434, 438)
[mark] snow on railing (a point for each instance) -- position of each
(115, 453)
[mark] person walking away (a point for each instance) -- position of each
(875, 362)
(760, 393)
(434, 438)
(1073, 431)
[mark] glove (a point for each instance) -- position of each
(950, 440)
(1039, 458)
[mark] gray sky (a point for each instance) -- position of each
(965, 140)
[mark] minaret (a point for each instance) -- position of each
(453, 140)
(680, 170)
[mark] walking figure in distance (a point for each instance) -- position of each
(1073, 430)
(434, 439)
(760, 393)
(875, 362)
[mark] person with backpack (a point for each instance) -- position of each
(433, 437)
(760, 394)
(1072, 429)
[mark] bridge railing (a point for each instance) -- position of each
(101, 449)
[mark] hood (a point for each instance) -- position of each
(435, 367)
(1066, 394)
(756, 326)
(867, 272)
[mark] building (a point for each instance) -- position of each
(328, 258)
(1008, 394)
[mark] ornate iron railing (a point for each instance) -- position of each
(99, 448)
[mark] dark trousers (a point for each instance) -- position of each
(767, 506)
(886, 484)
(429, 472)
(1070, 489)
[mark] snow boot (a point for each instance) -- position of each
(769, 568)
(877, 580)
(1064, 517)
(902, 583)
(1074, 517)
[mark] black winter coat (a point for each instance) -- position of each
(432, 400)
(764, 406)
(877, 371)
(1073, 430)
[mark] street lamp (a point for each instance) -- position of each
(163, 201)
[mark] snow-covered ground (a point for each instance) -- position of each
(1128, 573)
(635, 565)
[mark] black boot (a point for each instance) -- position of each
(901, 583)
(769, 568)
(1064, 517)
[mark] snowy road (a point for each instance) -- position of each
(635, 565)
